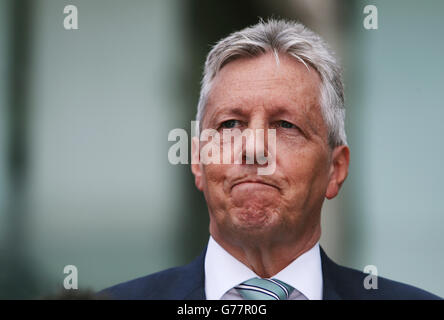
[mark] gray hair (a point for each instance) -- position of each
(294, 39)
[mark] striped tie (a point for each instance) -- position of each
(264, 289)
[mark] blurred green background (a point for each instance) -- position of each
(85, 114)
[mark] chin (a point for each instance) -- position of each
(254, 220)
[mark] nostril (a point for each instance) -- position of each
(248, 158)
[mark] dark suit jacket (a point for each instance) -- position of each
(187, 283)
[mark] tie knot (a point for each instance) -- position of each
(264, 289)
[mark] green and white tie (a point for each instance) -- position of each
(264, 289)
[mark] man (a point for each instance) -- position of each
(277, 77)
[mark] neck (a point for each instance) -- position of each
(267, 258)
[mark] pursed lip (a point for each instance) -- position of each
(254, 180)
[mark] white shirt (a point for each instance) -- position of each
(223, 272)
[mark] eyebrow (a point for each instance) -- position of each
(223, 111)
(275, 111)
(282, 111)
(235, 111)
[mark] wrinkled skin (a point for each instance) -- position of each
(268, 221)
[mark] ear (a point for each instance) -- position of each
(338, 171)
(196, 166)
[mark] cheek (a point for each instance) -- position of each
(214, 182)
(306, 171)
(214, 173)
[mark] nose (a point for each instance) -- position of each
(255, 150)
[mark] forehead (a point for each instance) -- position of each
(250, 83)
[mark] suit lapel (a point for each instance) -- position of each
(328, 270)
(194, 287)
(196, 294)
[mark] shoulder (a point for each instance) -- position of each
(152, 286)
(171, 284)
(349, 284)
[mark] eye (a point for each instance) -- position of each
(229, 124)
(286, 125)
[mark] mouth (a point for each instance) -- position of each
(254, 182)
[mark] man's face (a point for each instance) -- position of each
(256, 93)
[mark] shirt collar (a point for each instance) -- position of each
(223, 272)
